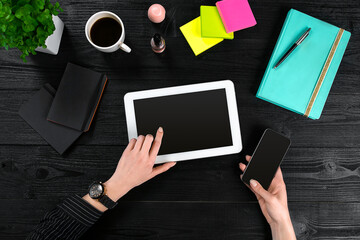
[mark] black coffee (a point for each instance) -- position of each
(105, 32)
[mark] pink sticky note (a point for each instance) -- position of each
(235, 14)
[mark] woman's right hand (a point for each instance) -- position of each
(273, 204)
(136, 165)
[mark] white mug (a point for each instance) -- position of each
(119, 44)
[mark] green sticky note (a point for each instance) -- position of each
(211, 24)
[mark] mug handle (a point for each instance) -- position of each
(124, 47)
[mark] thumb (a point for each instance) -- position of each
(257, 188)
(162, 168)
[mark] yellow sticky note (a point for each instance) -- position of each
(192, 34)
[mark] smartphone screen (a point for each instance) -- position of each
(266, 158)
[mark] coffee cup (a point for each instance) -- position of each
(105, 31)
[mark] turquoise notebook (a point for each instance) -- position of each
(303, 81)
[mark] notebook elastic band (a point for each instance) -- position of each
(323, 72)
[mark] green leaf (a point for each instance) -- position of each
(24, 11)
(3, 27)
(45, 17)
(39, 4)
(28, 27)
(30, 20)
(50, 6)
(22, 2)
(19, 13)
(9, 17)
(40, 31)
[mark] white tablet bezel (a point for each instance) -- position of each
(228, 85)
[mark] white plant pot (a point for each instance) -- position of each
(53, 41)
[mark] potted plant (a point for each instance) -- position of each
(30, 25)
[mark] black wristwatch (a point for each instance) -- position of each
(97, 191)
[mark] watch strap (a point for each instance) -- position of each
(107, 202)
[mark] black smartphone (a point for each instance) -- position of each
(266, 158)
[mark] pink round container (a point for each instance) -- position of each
(156, 13)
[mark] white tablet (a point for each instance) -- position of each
(199, 120)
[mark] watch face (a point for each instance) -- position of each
(96, 190)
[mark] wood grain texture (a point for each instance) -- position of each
(109, 128)
(202, 199)
(192, 220)
(332, 174)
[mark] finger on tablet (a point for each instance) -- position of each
(139, 143)
(131, 145)
(248, 158)
(147, 143)
(157, 143)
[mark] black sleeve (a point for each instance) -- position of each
(69, 220)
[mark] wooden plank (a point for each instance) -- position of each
(311, 174)
(255, 44)
(227, 221)
(335, 128)
(156, 75)
(188, 220)
(147, 220)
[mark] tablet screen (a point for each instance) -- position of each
(191, 121)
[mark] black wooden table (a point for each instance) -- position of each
(201, 199)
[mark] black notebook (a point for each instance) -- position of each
(35, 111)
(77, 97)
